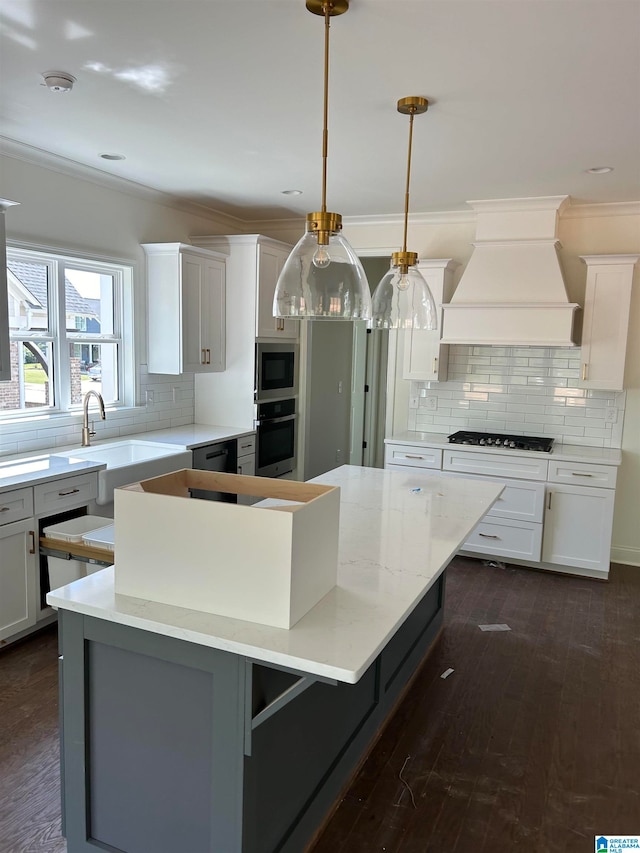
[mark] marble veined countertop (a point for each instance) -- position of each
(560, 451)
(398, 532)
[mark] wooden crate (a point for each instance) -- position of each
(267, 564)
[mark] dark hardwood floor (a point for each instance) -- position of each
(531, 744)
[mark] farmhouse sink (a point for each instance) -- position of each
(129, 461)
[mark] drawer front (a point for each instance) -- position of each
(246, 445)
(412, 457)
(65, 493)
(583, 474)
(520, 540)
(521, 500)
(16, 505)
(495, 465)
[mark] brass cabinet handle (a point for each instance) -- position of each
(408, 456)
(488, 535)
(585, 369)
(435, 365)
(69, 492)
(203, 357)
(208, 351)
(32, 535)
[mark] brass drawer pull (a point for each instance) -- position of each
(32, 536)
(585, 368)
(409, 456)
(578, 474)
(70, 492)
(488, 536)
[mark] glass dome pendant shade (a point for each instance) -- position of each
(402, 299)
(323, 277)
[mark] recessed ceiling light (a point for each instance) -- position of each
(113, 157)
(600, 170)
(291, 192)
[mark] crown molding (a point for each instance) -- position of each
(441, 217)
(613, 208)
(56, 163)
(70, 168)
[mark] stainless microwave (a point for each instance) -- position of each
(276, 371)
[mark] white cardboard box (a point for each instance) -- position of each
(266, 564)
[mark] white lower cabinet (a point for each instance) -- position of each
(22, 513)
(578, 524)
(541, 519)
(18, 566)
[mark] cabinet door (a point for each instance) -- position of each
(270, 263)
(577, 527)
(606, 320)
(18, 564)
(212, 315)
(193, 347)
(424, 358)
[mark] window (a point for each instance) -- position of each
(67, 329)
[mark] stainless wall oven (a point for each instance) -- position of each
(276, 438)
(276, 371)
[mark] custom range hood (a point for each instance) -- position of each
(512, 292)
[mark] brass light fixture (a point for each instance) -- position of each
(402, 299)
(323, 277)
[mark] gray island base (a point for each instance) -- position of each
(184, 732)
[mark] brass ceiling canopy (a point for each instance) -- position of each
(413, 105)
(336, 7)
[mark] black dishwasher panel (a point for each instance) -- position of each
(223, 457)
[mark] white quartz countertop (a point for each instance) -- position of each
(193, 435)
(29, 471)
(560, 451)
(18, 470)
(398, 532)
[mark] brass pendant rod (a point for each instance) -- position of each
(406, 195)
(325, 129)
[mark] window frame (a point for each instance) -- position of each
(57, 261)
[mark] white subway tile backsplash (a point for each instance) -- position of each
(523, 390)
(169, 408)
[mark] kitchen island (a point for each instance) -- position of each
(184, 731)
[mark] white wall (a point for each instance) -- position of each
(583, 230)
(65, 212)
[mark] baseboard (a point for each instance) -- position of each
(627, 556)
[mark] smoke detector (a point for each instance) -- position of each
(58, 81)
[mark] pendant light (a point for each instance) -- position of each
(323, 277)
(403, 300)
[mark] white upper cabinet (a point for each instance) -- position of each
(186, 309)
(606, 320)
(424, 357)
(254, 263)
(271, 259)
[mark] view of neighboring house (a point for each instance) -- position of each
(30, 321)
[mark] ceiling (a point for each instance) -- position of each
(219, 102)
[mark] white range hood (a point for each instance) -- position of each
(512, 292)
